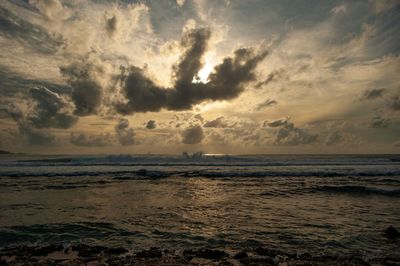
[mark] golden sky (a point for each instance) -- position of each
(220, 76)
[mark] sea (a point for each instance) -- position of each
(319, 204)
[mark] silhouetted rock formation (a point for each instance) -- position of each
(392, 233)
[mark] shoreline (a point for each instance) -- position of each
(99, 255)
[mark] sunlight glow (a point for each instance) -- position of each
(203, 74)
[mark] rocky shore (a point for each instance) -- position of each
(98, 255)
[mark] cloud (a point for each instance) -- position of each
(151, 124)
(195, 42)
(273, 76)
(12, 83)
(35, 136)
(225, 82)
(373, 94)
(87, 94)
(81, 139)
(267, 103)
(111, 25)
(288, 134)
(29, 35)
(276, 123)
(381, 6)
(199, 117)
(192, 135)
(50, 9)
(395, 103)
(125, 134)
(334, 138)
(51, 110)
(216, 123)
(379, 122)
(339, 9)
(43, 109)
(10, 110)
(180, 2)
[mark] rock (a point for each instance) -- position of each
(116, 251)
(88, 251)
(211, 254)
(305, 256)
(392, 233)
(257, 261)
(151, 253)
(44, 251)
(240, 255)
(267, 252)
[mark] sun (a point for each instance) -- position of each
(203, 74)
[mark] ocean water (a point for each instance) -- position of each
(317, 204)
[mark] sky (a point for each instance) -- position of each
(217, 76)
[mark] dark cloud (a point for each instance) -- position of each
(192, 135)
(225, 82)
(143, 94)
(125, 134)
(111, 25)
(151, 124)
(216, 123)
(276, 123)
(195, 43)
(81, 139)
(379, 122)
(87, 94)
(51, 110)
(29, 35)
(288, 134)
(273, 76)
(373, 94)
(267, 103)
(45, 109)
(12, 83)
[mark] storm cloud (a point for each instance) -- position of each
(225, 82)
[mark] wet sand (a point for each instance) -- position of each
(98, 255)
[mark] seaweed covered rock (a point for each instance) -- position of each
(391, 233)
(211, 254)
(150, 253)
